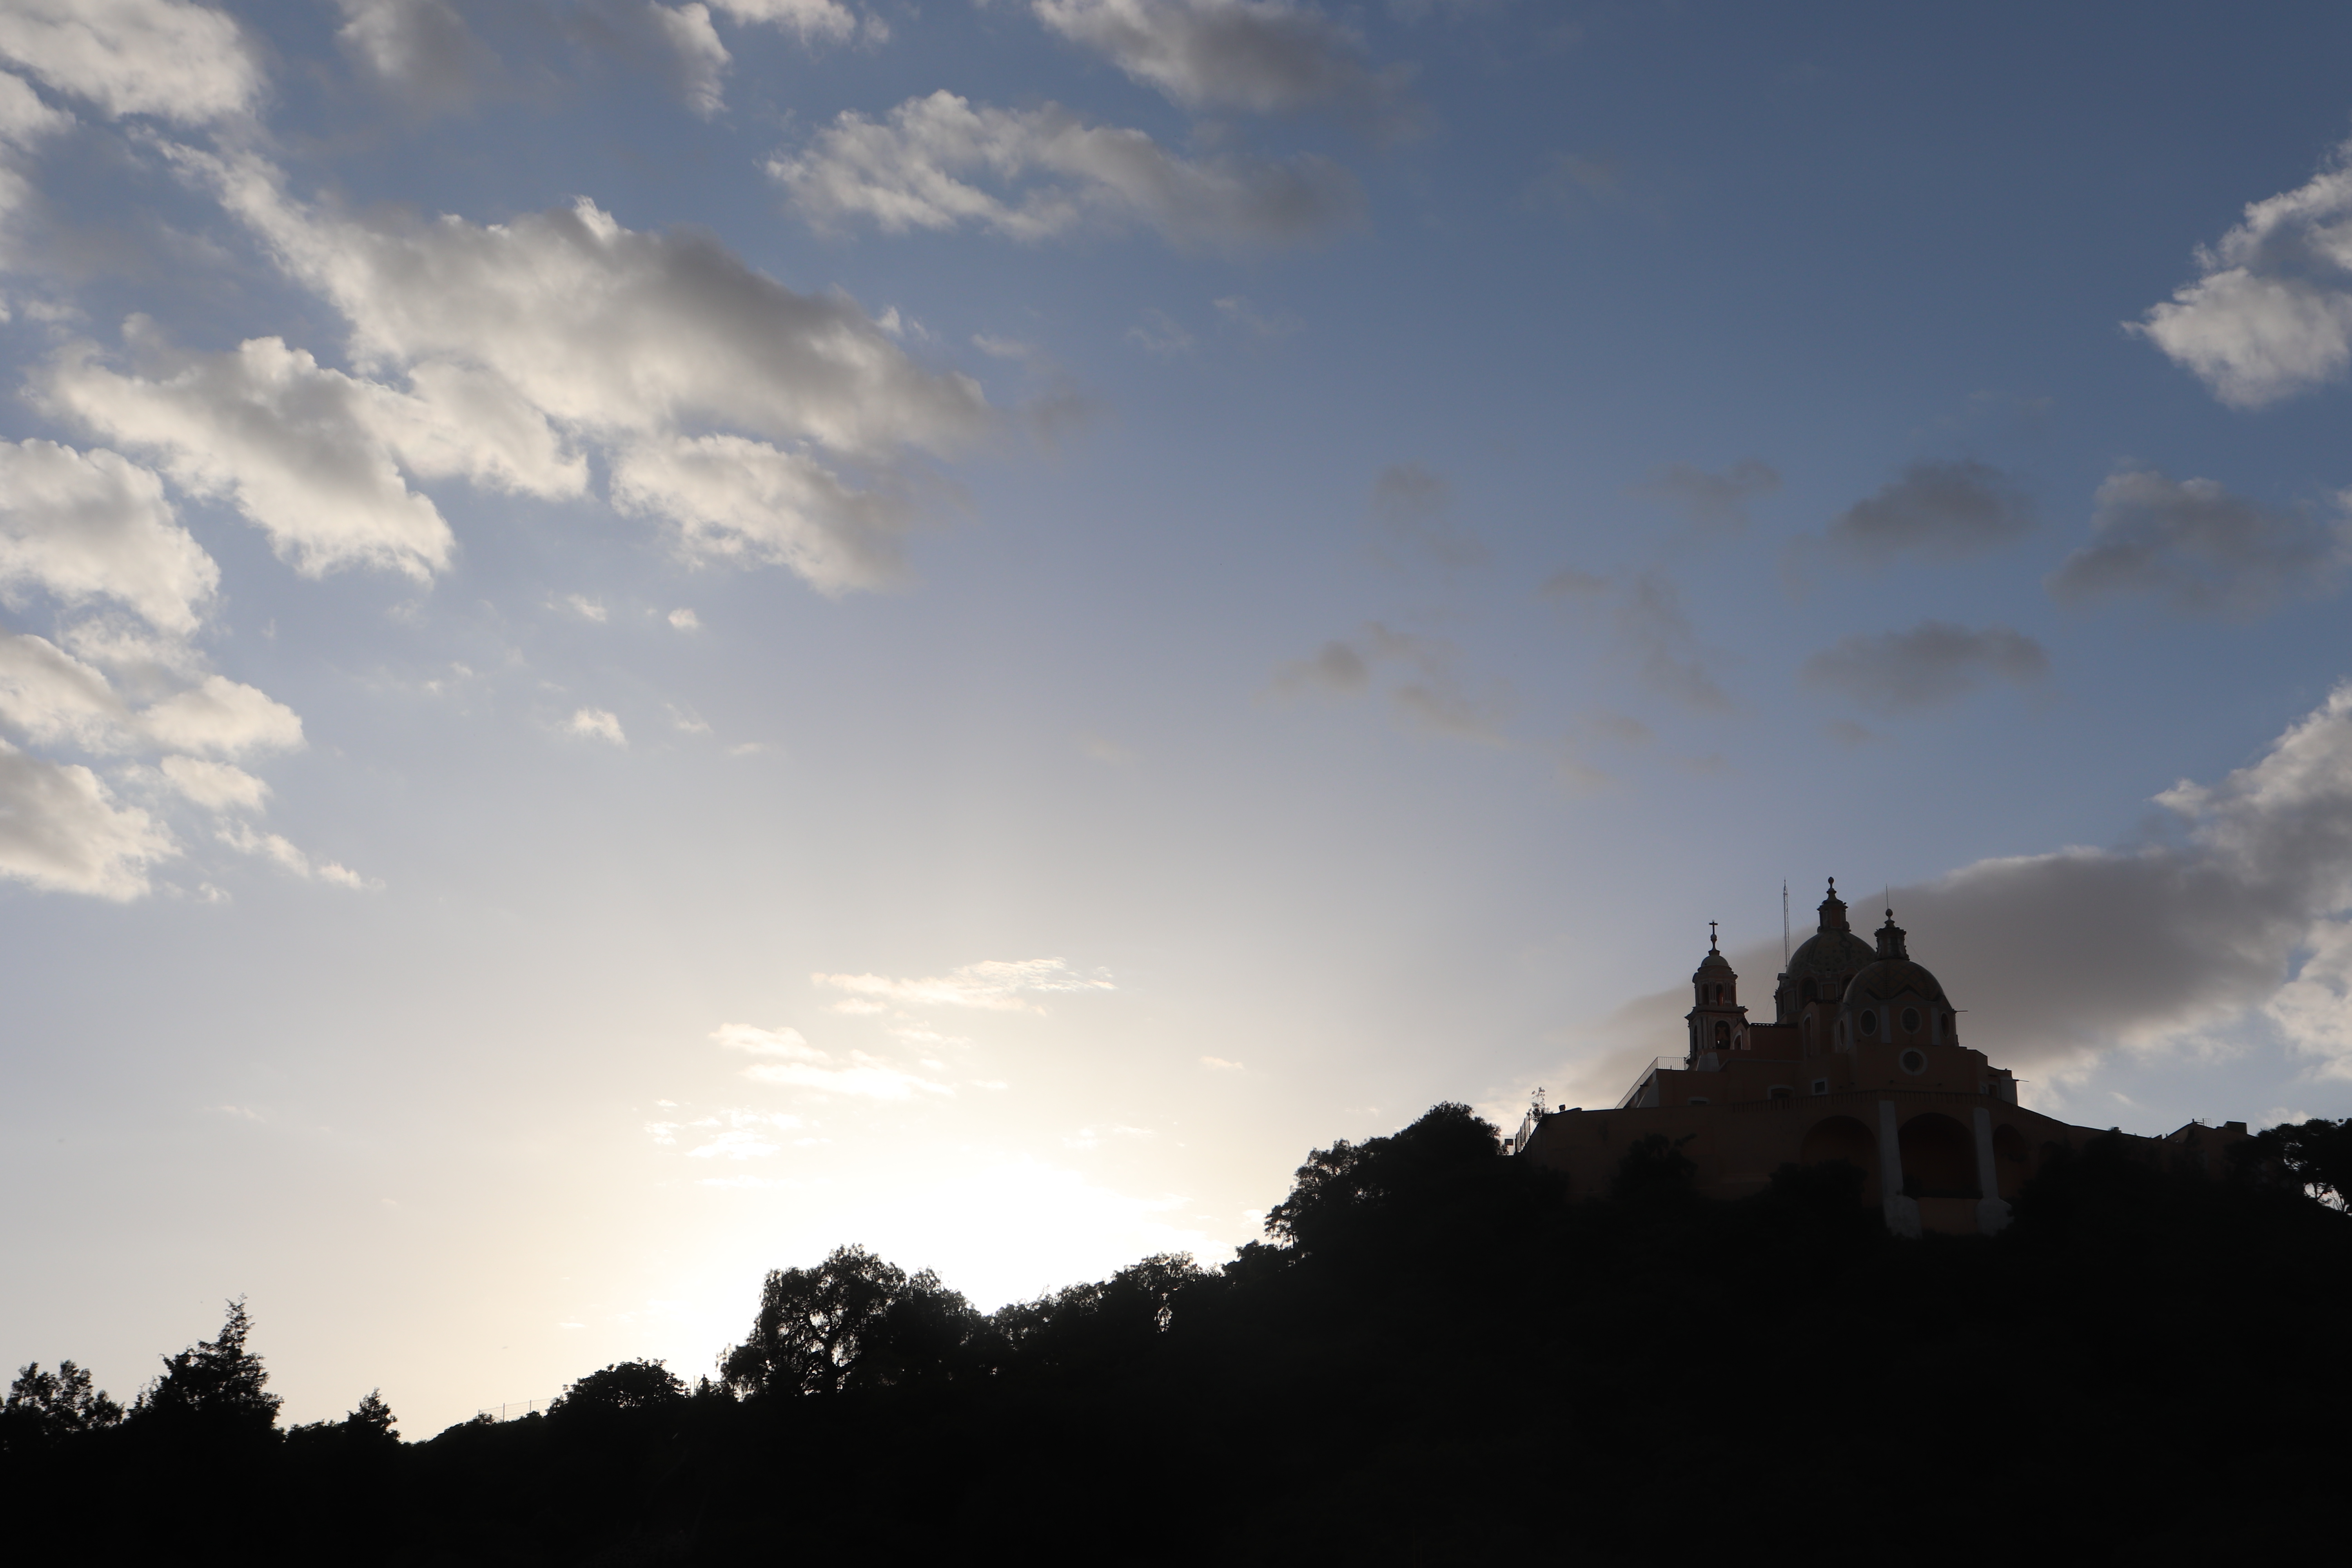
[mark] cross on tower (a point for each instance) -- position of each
(1710, 936)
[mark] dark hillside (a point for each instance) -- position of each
(1440, 1359)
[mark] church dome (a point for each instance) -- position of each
(1834, 950)
(1829, 952)
(1889, 978)
(1885, 979)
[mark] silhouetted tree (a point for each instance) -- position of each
(1438, 1327)
(368, 1429)
(927, 1333)
(214, 1387)
(1342, 1189)
(371, 1421)
(1086, 1323)
(46, 1405)
(815, 1327)
(2317, 1154)
(622, 1386)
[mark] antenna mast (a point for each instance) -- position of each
(1784, 925)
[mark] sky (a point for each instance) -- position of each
(640, 639)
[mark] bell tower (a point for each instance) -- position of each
(1718, 1022)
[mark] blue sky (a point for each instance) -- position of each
(644, 638)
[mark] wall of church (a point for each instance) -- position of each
(1940, 1146)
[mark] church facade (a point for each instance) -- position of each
(1863, 1062)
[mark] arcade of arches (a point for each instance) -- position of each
(1862, 1062)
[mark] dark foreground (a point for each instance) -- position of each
(1444, 1361)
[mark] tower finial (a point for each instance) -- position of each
(1710, 932)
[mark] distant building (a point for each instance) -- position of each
(1862, 1062)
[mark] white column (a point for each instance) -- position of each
(1992, 1210)
(1902, 1213)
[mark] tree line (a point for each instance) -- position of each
(1436, 1354)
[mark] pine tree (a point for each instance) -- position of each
(214, 1386)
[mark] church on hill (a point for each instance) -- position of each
(1862, 1062)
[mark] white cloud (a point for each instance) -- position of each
(163, 58)
(597, 724)
(84, 526)
(2270, 314)
(1262, 56)
(297, 446)
(733, 497)
(61, 831)
(734, 1145)
(1931, 664)
(312, 454)
(606, 329)
(996, 984)
(802, 1065)
(927, 165)
(24, 118)
(53, 698)
(131, 647)
(223, 716)
(862, 1077)
(217, 785)
(1159, 334)
(2199, 549)
(1235, 312)
(758, 1042)
(701, 59)
(1219, 1064)
(2314, 1010)
(287, 857)
(587, 608)
(420, 47)
(809, 18)
(566, 321)
(685, 620)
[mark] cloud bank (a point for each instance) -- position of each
(2241, 910)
